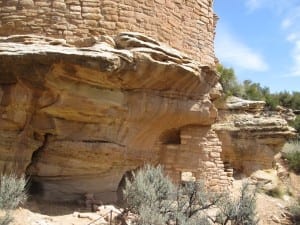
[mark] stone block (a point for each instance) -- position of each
(26, 3)
(59, 5)
(91, 16)
(214, 154)
(75, 8)
(209, 164)
(92, 10)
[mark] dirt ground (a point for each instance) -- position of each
(271, 211)
(42, 213)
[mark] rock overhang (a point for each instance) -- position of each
(87, 115)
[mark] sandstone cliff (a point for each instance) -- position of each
(250, 135)
(77, 119)
(82, 104)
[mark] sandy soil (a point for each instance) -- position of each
(271, 211)
(41, 213)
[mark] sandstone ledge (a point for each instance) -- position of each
(250, 135)
(76, 119)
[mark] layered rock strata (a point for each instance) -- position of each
(77, 119)
(250, 135)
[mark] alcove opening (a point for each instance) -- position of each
(35, 188)
(120, 191)
(171, 136)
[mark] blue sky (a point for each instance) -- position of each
(260, 40)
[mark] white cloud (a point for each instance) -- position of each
(295, 69)
(232, 51)
(278, 6)
(253, 4)
(286, 23)
(291, 37)
(291, 27)
(291, 18)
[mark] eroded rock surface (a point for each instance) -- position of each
(77, 119)
(250, 135)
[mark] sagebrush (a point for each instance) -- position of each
(157, 201)
(6, 219)
(291, 151)
(295, 212)
(240, 210)
(12, 193)
(148, 195)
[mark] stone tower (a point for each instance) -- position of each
(187, 25)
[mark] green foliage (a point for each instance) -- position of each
(229, 81)
(272, 100)
(151, 216)
(291, 151)
(6, 219)
(192, 201)
(194, 197)
(296, 123)
(147, 195)
(285, 99)
(295, 100)
(12, 193)
(240, 211)
(253, 91)
(153, 197)
(295, 212)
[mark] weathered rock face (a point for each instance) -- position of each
(250, 136)
(76, 119)
(81, 105)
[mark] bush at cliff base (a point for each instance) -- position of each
(153, 197)
(12, 193)
(291, 151)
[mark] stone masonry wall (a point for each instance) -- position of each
(187, 25)
(199, 153)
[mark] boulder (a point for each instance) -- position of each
(266, 179)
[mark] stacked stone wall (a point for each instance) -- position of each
(199, 153)
(187, 25)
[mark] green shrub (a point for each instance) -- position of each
(296, 124)
(295, 212)
(149, 187)
(228, 80)
(238, 211)
(6, 219)
(192, 201)
(148, 195)
(194, 198)
(12, 193)
(156, 201)
(291, 152)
